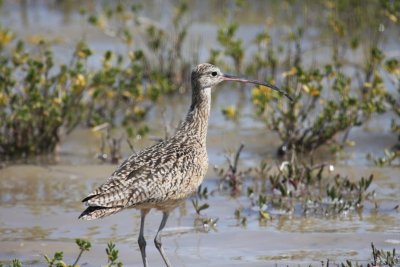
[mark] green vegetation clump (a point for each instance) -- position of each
(37, 99)
(83, 245)
(392, 67)
(332, 95)
(293, 184)
(40, 99)
(232, 177)
(164, 64)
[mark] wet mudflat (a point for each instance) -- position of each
(40, 205)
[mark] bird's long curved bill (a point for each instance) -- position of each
(228, 77)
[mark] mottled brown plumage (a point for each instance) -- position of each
(169, 171)
(165, 174)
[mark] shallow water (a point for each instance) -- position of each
(40, 201)
(39, 206)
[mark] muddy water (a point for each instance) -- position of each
(40, 203)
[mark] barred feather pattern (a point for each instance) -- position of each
(164, 174)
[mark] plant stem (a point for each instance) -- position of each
(77, 259)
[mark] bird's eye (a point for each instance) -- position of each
(214, 73)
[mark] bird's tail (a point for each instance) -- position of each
(97, 212)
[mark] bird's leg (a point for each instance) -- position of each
(157, 239)
(141, 240)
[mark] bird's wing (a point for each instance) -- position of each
(120, 190)
(132, 182)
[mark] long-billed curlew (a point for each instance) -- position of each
(165, 174)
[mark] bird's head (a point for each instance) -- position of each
(206, 75)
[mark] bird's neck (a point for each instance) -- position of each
(196, 122)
